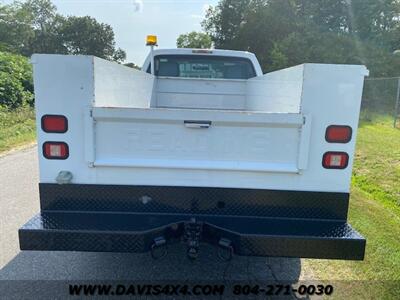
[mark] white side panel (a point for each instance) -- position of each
(64, 86)
(120, 86)
(332, 95)
(278, 91)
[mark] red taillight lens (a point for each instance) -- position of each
(54, 124)
(335, 160)
(55, 150)
(338, 134)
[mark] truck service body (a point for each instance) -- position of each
(206, 149)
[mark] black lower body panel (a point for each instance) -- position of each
(194, 200)
(112, 218)
(130, 232)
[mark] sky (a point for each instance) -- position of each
(132, 20)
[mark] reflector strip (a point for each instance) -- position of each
(54, 124)
(55, 150)
(335, 160)
(338, 134)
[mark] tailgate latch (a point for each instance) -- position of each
(197, 124)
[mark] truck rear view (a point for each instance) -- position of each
(205, 149)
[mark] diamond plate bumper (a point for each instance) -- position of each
(135, 232)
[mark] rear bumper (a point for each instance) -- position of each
(251, 236)
(113, 218)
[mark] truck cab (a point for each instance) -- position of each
(202, 149)
(203, 63)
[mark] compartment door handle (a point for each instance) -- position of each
(197, 124)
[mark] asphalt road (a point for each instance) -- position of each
(19, 202)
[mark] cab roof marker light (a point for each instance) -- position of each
(204, 51)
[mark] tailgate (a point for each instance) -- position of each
(198, 140)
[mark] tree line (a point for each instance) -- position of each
(35, 26)
(281, 33)
(284, 33)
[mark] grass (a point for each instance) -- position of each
(377, 165)
(16, 128)
(375, 213)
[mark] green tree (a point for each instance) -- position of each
(194, 39)
(16, 31)
(373, 20)
(44, 23)
(222, 22)
(367, 20)
(326, 48)
(34, 26)
(251, 25)
(16, 86)
(327, 15)
(266, 25)
(287, 32)
(84, 35)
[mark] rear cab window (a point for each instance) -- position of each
(199, 66)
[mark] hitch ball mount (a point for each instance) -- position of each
(192, 236)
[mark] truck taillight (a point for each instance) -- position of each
(338, 134)
(54, 124)
(335, 160)
(55, 150)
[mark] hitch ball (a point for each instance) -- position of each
(192, 253)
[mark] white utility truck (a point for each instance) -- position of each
(197, 147)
